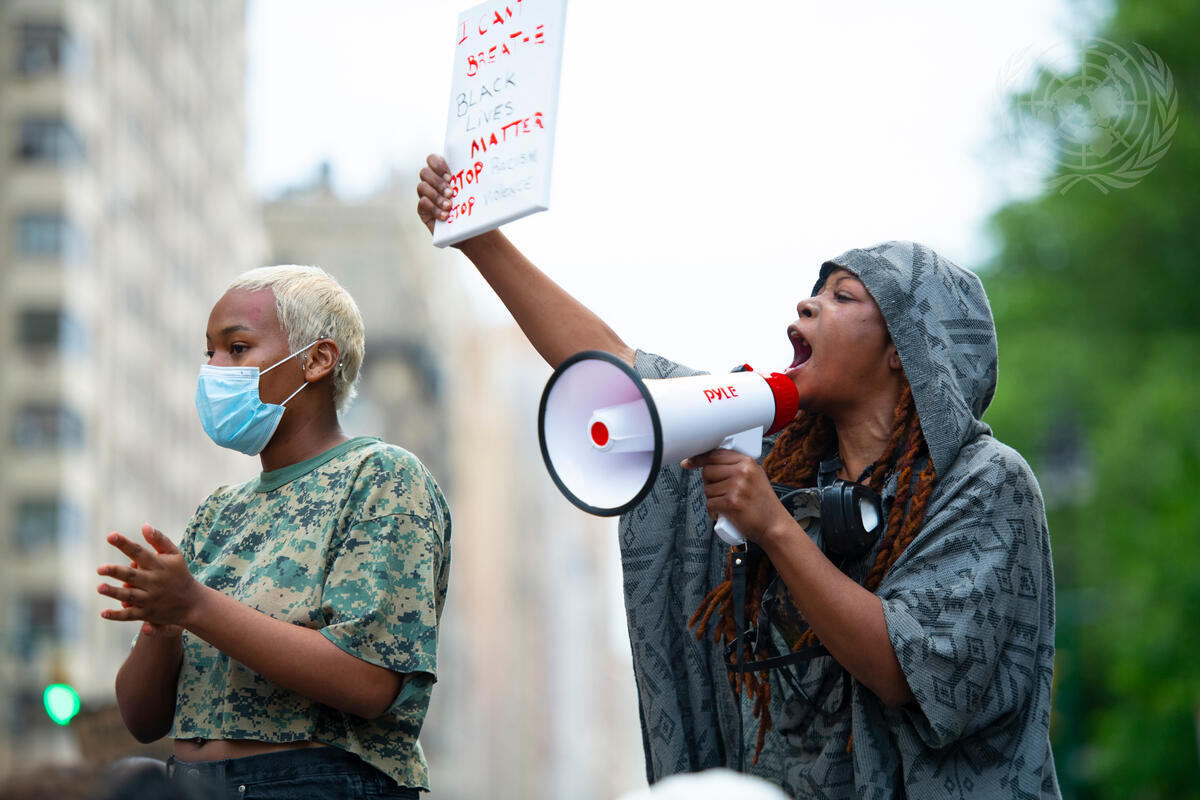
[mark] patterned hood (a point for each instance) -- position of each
(940, 320)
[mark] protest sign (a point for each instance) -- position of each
(503, 109)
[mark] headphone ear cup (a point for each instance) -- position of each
(843, 532)
(831, 514)
(835, 536)
(849, 515)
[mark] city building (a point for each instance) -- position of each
(539, 689)
(123, 213)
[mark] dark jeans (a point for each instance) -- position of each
(319, 773)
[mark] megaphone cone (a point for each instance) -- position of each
(604, 431)
(599, 480)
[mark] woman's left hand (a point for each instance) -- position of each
(157, 587)
(737, 487)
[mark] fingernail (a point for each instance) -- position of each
(445, 204)
(446, 177)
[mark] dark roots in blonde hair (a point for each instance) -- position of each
(794, 461)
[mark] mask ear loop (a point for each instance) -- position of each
(285, 358)
(293, 394)
(280, 361)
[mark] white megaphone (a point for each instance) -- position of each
(605, 431)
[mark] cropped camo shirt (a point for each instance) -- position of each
(354, 543)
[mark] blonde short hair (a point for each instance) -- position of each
(312, 305)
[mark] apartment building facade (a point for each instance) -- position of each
(123, 211)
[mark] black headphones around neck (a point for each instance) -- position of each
(851, 518)
(852, 515)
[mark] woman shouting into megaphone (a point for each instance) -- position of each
(916, 664)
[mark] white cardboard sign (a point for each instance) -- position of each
(503, 109)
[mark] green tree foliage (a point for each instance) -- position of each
(1097, 307)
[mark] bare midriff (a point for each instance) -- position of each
(221, 749)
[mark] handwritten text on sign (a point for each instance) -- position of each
(503, 106)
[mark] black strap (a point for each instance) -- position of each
(735, 650)
(764, 664)
(738, 576)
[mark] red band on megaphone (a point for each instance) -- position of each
(787, 400)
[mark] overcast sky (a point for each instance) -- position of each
(708, 156)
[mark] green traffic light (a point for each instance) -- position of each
(61, 702)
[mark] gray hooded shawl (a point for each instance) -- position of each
(969, 605)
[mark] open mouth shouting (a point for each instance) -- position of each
(802, 350)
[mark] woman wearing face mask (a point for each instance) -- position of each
(290, 640)
(917, 665)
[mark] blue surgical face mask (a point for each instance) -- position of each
(231, 411)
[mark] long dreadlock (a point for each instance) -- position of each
(794, 460)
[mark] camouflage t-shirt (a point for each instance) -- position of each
(354, 543)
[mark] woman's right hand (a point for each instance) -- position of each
(434, 191)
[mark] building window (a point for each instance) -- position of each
(46, 48)
(47, 521)
(50, 235)
(40, 427)
(26, 711)
(50, 140)
(42, 330)
(43, 620)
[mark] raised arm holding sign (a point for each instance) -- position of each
(503, 107)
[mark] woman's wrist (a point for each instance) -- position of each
(171, 634)
(471, 247)
(197, 597)
(780, 534)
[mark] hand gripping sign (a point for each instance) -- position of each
(503, 109)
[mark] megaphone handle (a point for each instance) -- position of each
(729, 534)
(747, 443)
